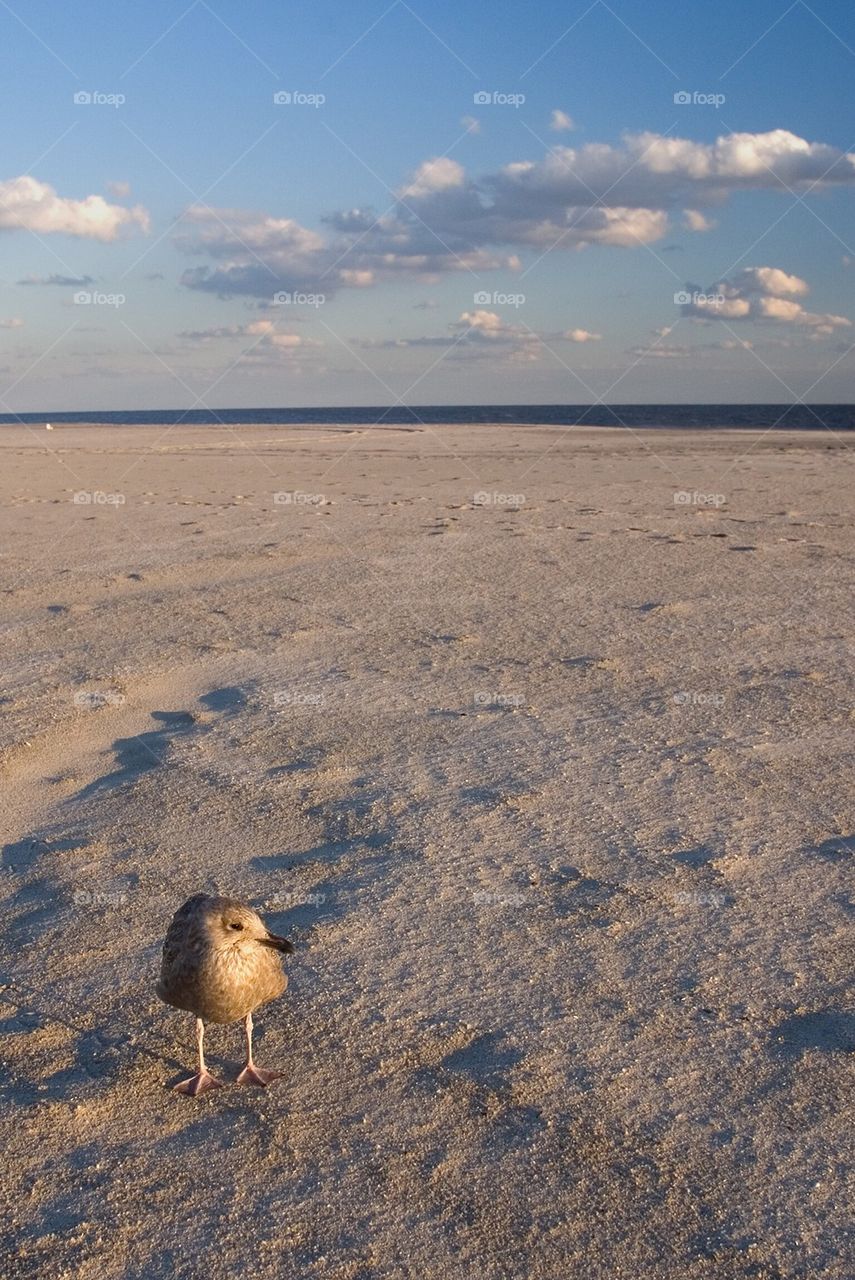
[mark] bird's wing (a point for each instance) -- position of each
(180, 935)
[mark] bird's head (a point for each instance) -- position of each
(231, 925)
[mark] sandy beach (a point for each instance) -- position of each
(538, 744)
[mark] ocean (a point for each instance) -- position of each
(803, 417)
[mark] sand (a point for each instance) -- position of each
(552, 792)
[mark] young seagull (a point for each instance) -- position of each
(221, 962)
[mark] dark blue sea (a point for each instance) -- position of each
(837, 417)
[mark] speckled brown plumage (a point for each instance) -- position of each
(220, 962)
(218, 981)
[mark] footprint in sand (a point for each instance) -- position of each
(675, 607)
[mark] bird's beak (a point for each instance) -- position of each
(277, 943)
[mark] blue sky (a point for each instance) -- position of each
(581, 234)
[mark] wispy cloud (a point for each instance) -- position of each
(60, 281)
(266, 337)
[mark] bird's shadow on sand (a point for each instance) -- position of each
(96, 1058)
(218, 1120)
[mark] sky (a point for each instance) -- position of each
(210, 205)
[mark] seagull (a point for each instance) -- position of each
(220, 962)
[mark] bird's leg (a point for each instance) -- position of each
(252, 1074)
(203, 1080)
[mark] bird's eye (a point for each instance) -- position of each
(235, 926)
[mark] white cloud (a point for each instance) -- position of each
(120, 189)
(30, 205)
(769, 159)
(486, 321)
(719, 306)
(560, 122)
(434, 175)
(761, 293)
(653, 170)
(582, 335)
(694, 220)
(447, 221)
(778, 308)
(772, 280)
(487, 326)
(223, 230)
